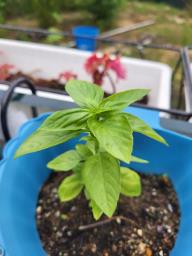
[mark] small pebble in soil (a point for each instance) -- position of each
(140, 232)
(142, 226)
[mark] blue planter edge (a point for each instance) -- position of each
(183, 187)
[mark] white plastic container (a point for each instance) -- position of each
(49, 61)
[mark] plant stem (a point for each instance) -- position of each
(112, 82)
(103, 222)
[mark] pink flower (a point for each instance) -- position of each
(98, 66)
(92, 63)
(5, 71)
(67, 75)
(118, 68)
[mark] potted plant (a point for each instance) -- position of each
(101, 153)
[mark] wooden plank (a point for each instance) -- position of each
(126, 29)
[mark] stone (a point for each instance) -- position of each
(141, 248)
(140, 232)
(39, 210)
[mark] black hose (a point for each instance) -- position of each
(7, 99)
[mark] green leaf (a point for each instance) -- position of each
(43, 139)
(83, 151)
(101, 176)
(70, 188)
(92, 143)
(77, 169)
(86, 194)
(68, 119)
(140, 126)
(121, 100)
(85, 94)
(65, 161)
(56, 129)
(114, 134)
(97, 212)
(138, 160)
(130, 182)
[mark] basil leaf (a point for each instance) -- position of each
(65, 161)
(114, 134)
(130, 182)
(138, 160)
(56, 129)
(68, 119)
(83, 151)
(140, 126)
(97, 212)
(43, 139)
(92, 143)
(101, 176)
(85, 94)
(70, 188)
(86, 194)
(121, 100)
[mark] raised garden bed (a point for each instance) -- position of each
(54, 85)
(45, 64)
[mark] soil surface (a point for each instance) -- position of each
(39, 82)
(54, 84)
(145, 225)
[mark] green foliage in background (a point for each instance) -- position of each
(14, 8)
(176, 3)
(2, 10)
(94, 167)
(54, 38)
(104, 11)
(47, 11)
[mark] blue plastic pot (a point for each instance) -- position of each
(21, 180)
(81, 32)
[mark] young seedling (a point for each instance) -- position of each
(106, 139)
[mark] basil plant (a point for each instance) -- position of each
(106, 139)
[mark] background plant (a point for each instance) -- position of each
(2, 10)
(104, 12)
(107, 139)
(100, 66)
(5, 71)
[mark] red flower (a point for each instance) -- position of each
(92, 63)
(5, 71)
(119, 69)
(99, 65)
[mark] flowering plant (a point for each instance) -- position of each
(5, 71)
(99, 66)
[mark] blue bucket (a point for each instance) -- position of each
(21, 180)
(89, 43)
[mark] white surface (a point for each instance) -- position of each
(49, 61)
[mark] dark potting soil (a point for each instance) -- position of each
(146, 225)
(54, 84)
(39, 82)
